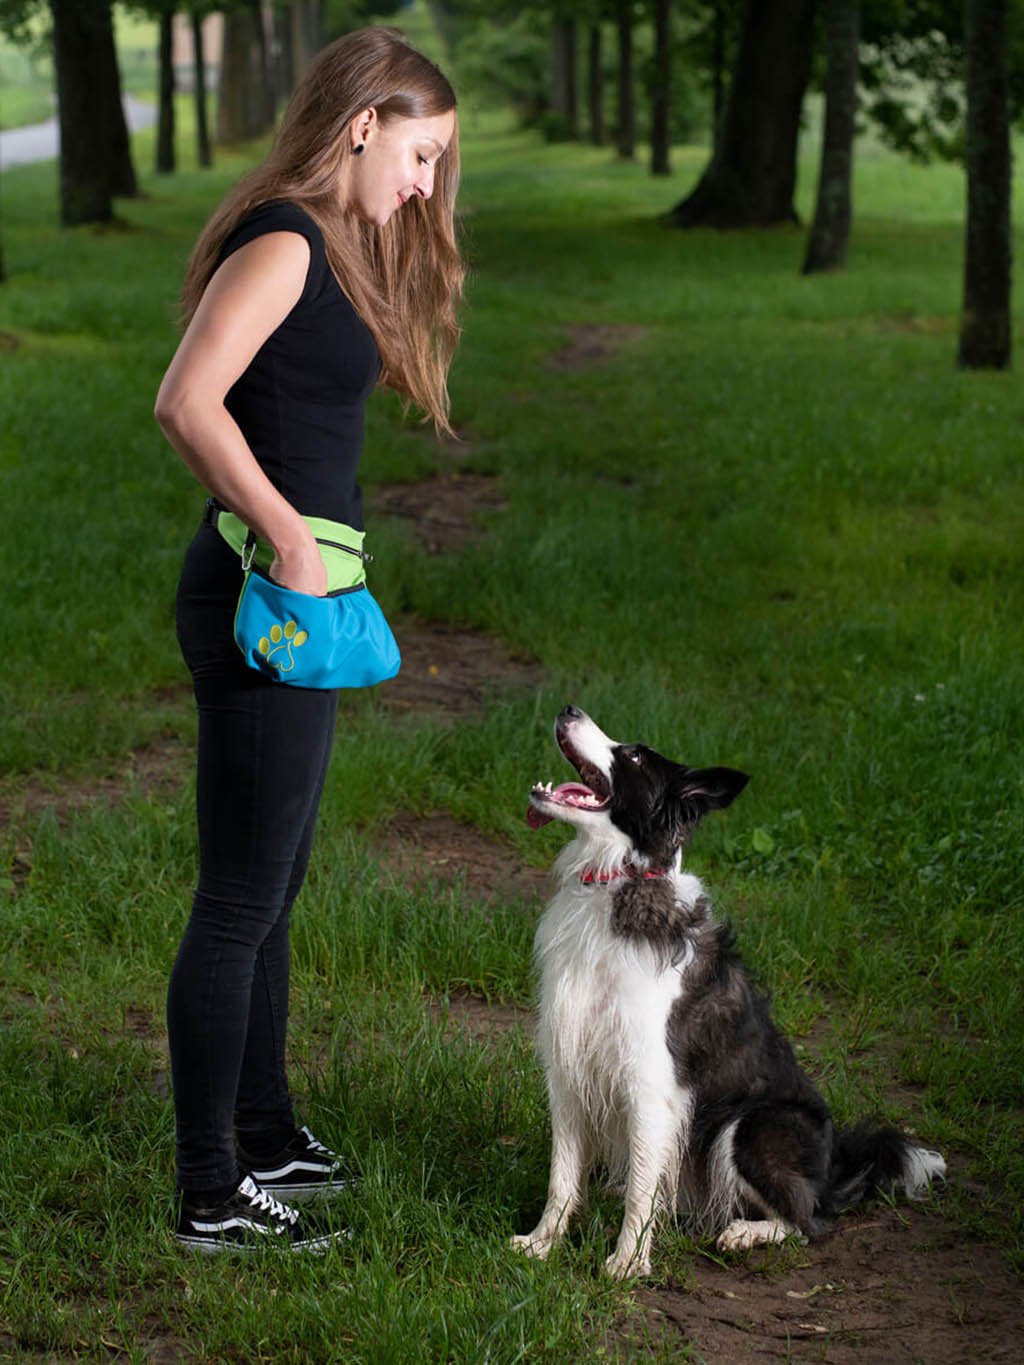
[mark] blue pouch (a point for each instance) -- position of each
(342, 640)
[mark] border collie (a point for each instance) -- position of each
(661, 1058)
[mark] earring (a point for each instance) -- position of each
(358, 151)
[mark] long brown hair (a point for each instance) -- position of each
(404, 278)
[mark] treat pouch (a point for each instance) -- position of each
(341, 640)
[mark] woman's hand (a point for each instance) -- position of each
(301, 569)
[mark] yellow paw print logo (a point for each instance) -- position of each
(277, 650)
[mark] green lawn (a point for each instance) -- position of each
(777, 530)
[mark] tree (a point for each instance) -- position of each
(165, 158)
(661, 89)
(95, 154)
(751, 177)
(304, 29)
(985, 326)
(245, 105)
(595, 85)
(565, 98)
(203, 150)
(625, 134)
(826, 246)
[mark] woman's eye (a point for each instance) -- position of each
(423, 161)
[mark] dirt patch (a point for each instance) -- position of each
(448, 674)
(893, 1285)
(154, 769)
(442, 511)
(482, 1020)
(592, 343)
(437, 848)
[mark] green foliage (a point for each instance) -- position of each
(506, 65)
(914, 95)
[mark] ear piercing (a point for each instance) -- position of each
(358, 150)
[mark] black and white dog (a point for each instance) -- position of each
(662, 1060)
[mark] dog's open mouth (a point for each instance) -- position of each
(592, 794)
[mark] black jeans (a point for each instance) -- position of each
(263, 754)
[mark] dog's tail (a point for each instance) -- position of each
(876, 1158)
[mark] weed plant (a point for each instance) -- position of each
(775, 529)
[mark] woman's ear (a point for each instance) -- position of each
(362, 126)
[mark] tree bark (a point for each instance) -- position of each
(203, 149)
(565, 96)
(595, 86)
(826, 246)
(752, 174)
(245, 103)
(625, 137)
(718, 75)
(95, 156)
(107, 78)
(165, 162)
(985, 339)
(661, 89)
(304, 35)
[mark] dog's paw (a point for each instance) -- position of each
(742, 1235)
(537, 1247)
(627, 1266)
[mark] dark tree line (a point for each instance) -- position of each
(755, 57)
(750, 178)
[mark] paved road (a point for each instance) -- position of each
(40, 141)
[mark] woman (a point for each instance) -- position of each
(331, 267)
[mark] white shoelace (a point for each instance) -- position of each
(266, 1203)
(315, 1146)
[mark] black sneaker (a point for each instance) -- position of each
(246, 1221)
(302, 1169)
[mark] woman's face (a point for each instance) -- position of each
(397, 162)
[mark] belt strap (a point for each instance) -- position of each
(341, 546)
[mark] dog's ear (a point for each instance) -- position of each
(699, 790)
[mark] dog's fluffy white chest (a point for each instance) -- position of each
(604, 1007)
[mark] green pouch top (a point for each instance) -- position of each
(341, 548)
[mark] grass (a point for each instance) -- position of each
(777, 530)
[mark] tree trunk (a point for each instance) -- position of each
(245, 104)
(985, 327)
(752, 174)
(661, 89)
(203, 150)
(565, 97)
(165, 164)
(718, 74)
(625, 136)
(826, 246)
(595, 86)
(106, 77)
(304, 36)
(86, 192)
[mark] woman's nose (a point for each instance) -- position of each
(425, 182)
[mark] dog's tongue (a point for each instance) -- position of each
(535, 818)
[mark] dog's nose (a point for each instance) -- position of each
(570, 713)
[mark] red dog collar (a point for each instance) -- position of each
(589, 875)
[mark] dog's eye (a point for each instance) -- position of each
(635, 756)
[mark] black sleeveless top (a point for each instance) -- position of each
(300, 402)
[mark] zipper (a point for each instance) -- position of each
(337, 545)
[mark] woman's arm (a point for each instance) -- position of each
(247, 298)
